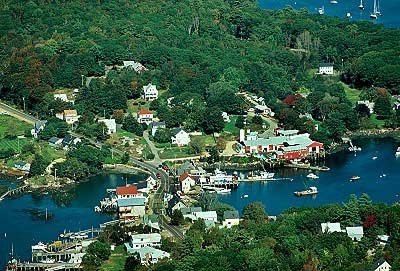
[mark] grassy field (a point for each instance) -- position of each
(376, 122)
(15, 144)
(352, 94)
(10, 125)
(116, 261)
(174, 152)
(230, 126)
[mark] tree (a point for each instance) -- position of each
(255, 212)
(177, 218)
(130, 124)
(196, 145)
(257, 120)
(213, 121)
(6, 153)
(383, 107)
(362, 111)
(72, 168)
(125, 158)
(100, 250)
(335, 126)
(206, 200)
(240, 122)
(38, 165)
(132, 262)
(162, 135)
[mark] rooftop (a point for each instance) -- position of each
(145, 111)
(127, 190)
(136, 201)
(231, 214)
(69, 112)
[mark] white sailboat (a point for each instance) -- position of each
(374, 15)
(378, 10)
(321, 11)
(361, 6)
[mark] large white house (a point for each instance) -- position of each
(187, 182)
(136, 66)
(230, 219)
(110, 124)
(180, 137)
(145, 116)
(70, 116)
(355, 233)
(143, 240)
(150, 92)
(325, 68)
(151, 255)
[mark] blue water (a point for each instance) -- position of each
(334, 186)
(389, 8)
(20, 228)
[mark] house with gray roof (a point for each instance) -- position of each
(355, 233)
(230, 219)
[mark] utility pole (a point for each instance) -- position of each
(23, 100)
(55, 174)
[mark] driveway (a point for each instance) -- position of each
(154, 150)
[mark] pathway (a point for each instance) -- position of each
(153, 148)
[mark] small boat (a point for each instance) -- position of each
(245, 196)
(48, 261)
(374, 14)
(354, 148)
(312, 190)
(398, 152)
(20, 177)
(334, 2)
(321, 11)
(361, 6)
(312, 176)
(375, 157)
(223, 191)
(348, 15)
(355, 178)
(261, 176)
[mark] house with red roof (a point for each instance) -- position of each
(145, 116)
(186, 182)
(127, 192)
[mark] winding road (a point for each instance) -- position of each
(158, 201)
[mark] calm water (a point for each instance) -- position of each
(20, 228)
(334, 185)
(389, 8)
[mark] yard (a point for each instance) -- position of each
(12, 126)
(116, 262)
(174, 152)
(230, 126)
(352, 94)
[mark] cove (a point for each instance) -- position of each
(72, 211)
(380, 179)
(390, 9)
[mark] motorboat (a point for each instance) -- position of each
(48, 261)
(312, 176)
(361, 6)
(261, 176)
(398, 152)
(312, 190)
(321, 11)
(355, 178)
(223, 191)
(333, 2)
(375, 157)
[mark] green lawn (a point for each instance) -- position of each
(352, 94)
(11, 125)
(230, 126)
(122, 133)
(15, 144)
(116, 261)
(375, 122)
(174, 152)
(208, 140)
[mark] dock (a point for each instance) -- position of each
(22, 266)
(13, 191)
(307, 166)
(264, 181)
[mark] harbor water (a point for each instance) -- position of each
(376, 164)
(389, 9)
(73, 211)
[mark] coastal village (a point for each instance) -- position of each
(177, 106)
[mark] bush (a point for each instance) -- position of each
(6, 153)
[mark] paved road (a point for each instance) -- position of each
(154, 150)
(158, 201)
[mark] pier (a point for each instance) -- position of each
(43, 267)
(13, 191)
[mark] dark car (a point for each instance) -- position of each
(158, 175)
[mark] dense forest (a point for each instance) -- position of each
(202, 50)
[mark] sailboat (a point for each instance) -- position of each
(374, 15)
(378, 10)
(321, 11)
(361, 6)
(334, 2)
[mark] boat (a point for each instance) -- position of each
(354, 178)
(20, 177)
(245, 196)
(348, 15)
(312, 176)
(354, 148)
(374, 14)
(375, 157)
(321, 11)
(398, 152)
(361, 6)
(48, 261)
(223, 191)
(312, 190)
(261, 176)
(334, 2)
(378, 10)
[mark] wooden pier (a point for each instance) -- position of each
(43, 267)
(13, 191)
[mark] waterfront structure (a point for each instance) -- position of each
(38, 127)
(288, 145)
(145, 116)
(230, 219)
(330, 227)
(180, 137)
(23, 166)
(151, 255)
(143, 240)
(127, 192)
(186, 182)
(325, 69)
(355, 233)
(131, 208)
(154, 126)
(110, 124)
(150, 92)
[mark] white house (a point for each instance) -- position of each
(154, 126)
(264, 110)
(63, 97)
(127, 192)
(136, 66)
(225, 116)
(23, 166)
(38, 127)
(143, 240)
(380, 265)
(355, 233)
(330, 227)
(230, 218)
(55, 141)
(70, 116)
(325, 68)
(368, 104)
(145, 116)
(180, 137)
(150, 92)
(187, 182)
(206, 215)
(110, 124)
(151, 183)
(131, 208)
(151, 255)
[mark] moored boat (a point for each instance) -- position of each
(312, 176)
(354, 178)
(398, 152)
(312, 190)
(261, 176)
